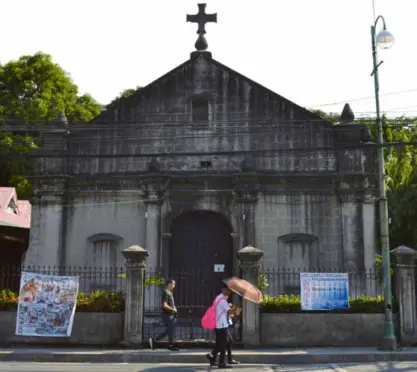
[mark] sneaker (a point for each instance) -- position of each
(233, 362)
(211, 359)
(152, 343)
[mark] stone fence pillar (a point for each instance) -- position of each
(406, 293)
(249, 258)
(134, 308)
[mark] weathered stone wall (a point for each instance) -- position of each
(89, 329)
(246, 124)
(299, 231)
(243, 116)
(315, 330)
(87, 217)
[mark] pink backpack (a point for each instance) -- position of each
(208, 321)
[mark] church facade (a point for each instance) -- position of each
(198, 164)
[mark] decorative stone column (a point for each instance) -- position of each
(249, 258)
(406, 293)
(134, 308)
(153, 226)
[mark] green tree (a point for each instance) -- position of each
(34, 89)
(125, 94)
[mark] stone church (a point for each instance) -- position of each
(198, 164)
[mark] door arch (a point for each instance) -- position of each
(200, 241)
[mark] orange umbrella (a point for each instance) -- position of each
(245, 289)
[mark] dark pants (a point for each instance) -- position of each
(228, 347)
(169, 322)
(221, 344)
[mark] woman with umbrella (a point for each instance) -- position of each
(249, 292)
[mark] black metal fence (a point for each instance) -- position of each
(194, 292)
(109, 279)
(280, 281)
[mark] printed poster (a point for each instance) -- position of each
(324, 291)
(46, 305)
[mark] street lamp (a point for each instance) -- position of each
(384, 40)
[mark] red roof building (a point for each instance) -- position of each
(15, 218)
(14, 212)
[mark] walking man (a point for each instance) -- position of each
(169, 312)
(222, 324)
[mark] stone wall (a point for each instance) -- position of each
(299, 231)
(89, 329)
(316, 330)
(117, 219)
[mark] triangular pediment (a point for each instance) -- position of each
(198, 77)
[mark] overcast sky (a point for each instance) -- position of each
(313, 52)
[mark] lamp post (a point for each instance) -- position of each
(384, 40)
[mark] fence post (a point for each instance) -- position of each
(134, 308)
(249, 258)
(406, 293)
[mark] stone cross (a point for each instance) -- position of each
(202, 18)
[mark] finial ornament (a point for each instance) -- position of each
(201, 18)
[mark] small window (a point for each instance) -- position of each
(200, 110)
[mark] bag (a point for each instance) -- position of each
(208, 321)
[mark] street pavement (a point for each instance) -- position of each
(127, 367)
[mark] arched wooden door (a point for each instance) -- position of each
(201, 256)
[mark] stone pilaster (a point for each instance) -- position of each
(153, 201)
(406, 293)
(47, 242)
(351, 229)
(249, 258)
(369, 230)
(134, 307)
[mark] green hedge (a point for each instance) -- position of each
(96, 302)
(292, 304)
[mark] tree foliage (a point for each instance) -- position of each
(400, 174)
(33, 91)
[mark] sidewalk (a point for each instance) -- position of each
(256, 356)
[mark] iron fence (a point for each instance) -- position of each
(281, 281)
(194, 292)
(109, 279)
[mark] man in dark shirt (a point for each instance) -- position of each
(169, 312)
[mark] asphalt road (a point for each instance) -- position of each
(86, 367)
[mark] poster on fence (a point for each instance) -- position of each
(46, 305)
(324, 291)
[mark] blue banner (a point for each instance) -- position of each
(324, 291)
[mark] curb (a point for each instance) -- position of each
(199, 357)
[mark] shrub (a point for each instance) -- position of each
(99, 301)
(8, 300)
(292, 304)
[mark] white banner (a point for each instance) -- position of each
(46, 305)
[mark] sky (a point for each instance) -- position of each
(316, 53)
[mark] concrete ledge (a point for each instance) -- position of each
(278, 356)
(322, 329)
(88, 329)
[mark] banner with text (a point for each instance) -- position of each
(46, 305)
(324, 291)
